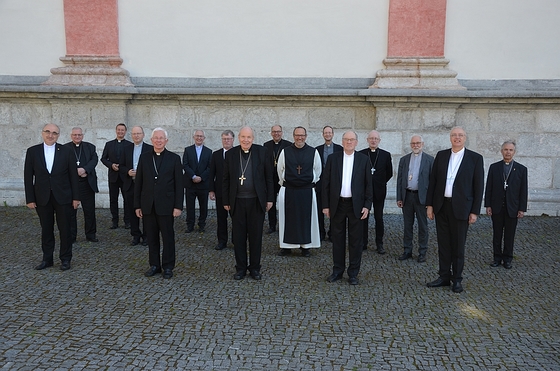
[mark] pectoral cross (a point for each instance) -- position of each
(242, 178)
(78, 163)
(505, 185)
(299, 169)
(372, 170)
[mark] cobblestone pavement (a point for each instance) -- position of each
(103, 314)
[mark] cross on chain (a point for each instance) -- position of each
(242, 178)
(299, 169)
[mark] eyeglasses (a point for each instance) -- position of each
(415, 143)
(300, 135)
(371, 138)
(48, 132)
(457, 135)
(77, 135)
(349, 139)
(276, 131)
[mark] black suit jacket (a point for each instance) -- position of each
(217, 172)
(270, 148)
(62, 180)
(193, 166)
(362, 192)
(468, 186)
(165, 193)
(320, 149)
(109, 157)
(516, 199)
(262, 171)
(423, 176)
(88, 161)
(128, 163)
(383, 172)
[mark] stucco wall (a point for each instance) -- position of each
(499, 39)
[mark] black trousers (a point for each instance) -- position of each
(451, 237)
(63, 213)
(155, 225)
(191, 195)
(222, 221)
(247, 224)
(345, 214)
(503, 227)
(413, 208)
(135, 230)
(87, 200)
(322, 231)
(378, 206)
(114, 189)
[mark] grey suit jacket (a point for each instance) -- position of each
(423, 177)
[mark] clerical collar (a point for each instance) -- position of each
(328, 145)
(158, 153)
(373, 150)
(417, 154)
(277, 142)
(507, 163)
(77, 145)
(120, 140)
(139, 144)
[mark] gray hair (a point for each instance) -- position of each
(159, 129)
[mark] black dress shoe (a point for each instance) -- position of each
(239, 275)
(65, 265)
(353, 280)
(256, 275)
(220, 246)
(405, 255)
(457, 287)
(189, 229)
(364, 248)
(167, 273)
(422, 258)
(495, 264)
(144, 241)
(127, 226)
(305, 252)
(507, 265)
(201, 229)
(271, 230)
(43, 265)
(285, 252)
(114, 226)
(439, 283)
(334, 277)
(380, 250)
(135, 241)
(92, 239)
(152, 271)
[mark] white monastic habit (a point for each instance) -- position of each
(315, 236)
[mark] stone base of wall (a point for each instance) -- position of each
(490, 112)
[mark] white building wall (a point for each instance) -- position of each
(248, 38)
(498, 39)
(503, 39)
(31, 37)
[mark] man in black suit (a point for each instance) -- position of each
(131, 158)
(325, 150)
(248, 193)
(413, 178)
(274, 147)
(113, 158)
(454, 198)
(506, 201)
(216, 178)
(158, 199)
(86, 161)
(51, 188)
(381, 170)
(196, 163)
(347, 196)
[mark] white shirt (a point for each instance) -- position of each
(347, 167)
(452, 168)
(49, 156)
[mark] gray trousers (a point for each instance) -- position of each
(411, 208)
